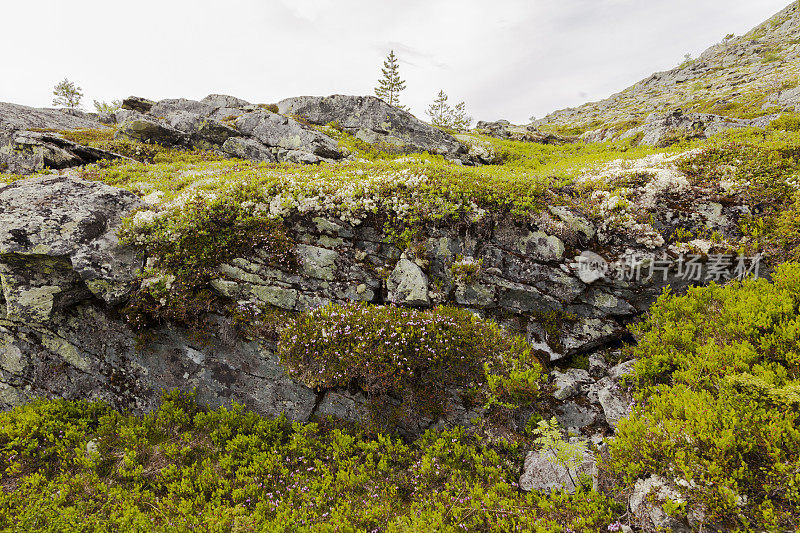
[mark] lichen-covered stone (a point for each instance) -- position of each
(408, 284)
(541, 472)
(73, 222)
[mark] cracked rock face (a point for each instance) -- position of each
(58, 242)
(65, 277)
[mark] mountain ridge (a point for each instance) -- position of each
(749, 76)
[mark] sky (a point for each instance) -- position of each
(510, 59)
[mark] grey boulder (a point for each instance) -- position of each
(542, 472)
(374, 121)
(58, 242)
(273, 129)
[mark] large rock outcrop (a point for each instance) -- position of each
(661, 129)
(374, 121)
(25, 152)
(20, 117)
(65, 278)
(58, 245)
(29, 141)
(227, 125)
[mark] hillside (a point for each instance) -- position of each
(751, 75)
(326, 315)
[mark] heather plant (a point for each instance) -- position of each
(717, 402)
(418, 356)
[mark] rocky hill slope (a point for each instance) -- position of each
(330, 273)
(327, 315)
(752, 74)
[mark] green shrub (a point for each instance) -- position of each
(418, 356)
(77, 466)
(103, 138)
(786, 122)
(718, 401)
(272, 108)
(763, 167)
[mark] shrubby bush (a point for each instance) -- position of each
(80, 466)
(718, 402)
(414, 355)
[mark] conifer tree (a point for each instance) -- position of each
(390, 85)
(444, 116)
(67, 94)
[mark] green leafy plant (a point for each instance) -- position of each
(717, 401)
(82, 466)
(568, 455)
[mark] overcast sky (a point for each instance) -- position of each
(505, 58)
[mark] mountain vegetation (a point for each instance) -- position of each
(323, 314)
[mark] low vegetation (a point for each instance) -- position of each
(716, 388)
(78, 466)
(762, 167)
(416, 356)
(717, 402)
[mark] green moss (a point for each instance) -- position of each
(79, 466)
(273, 108)
(786, 122)
(89, 136)
(466, 271)
(718, 401)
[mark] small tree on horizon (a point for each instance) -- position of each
(67, 94)
(444, 116)
(390, 85)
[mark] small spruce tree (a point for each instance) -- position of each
(390, 85)
(444, 116)
(67, 94)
